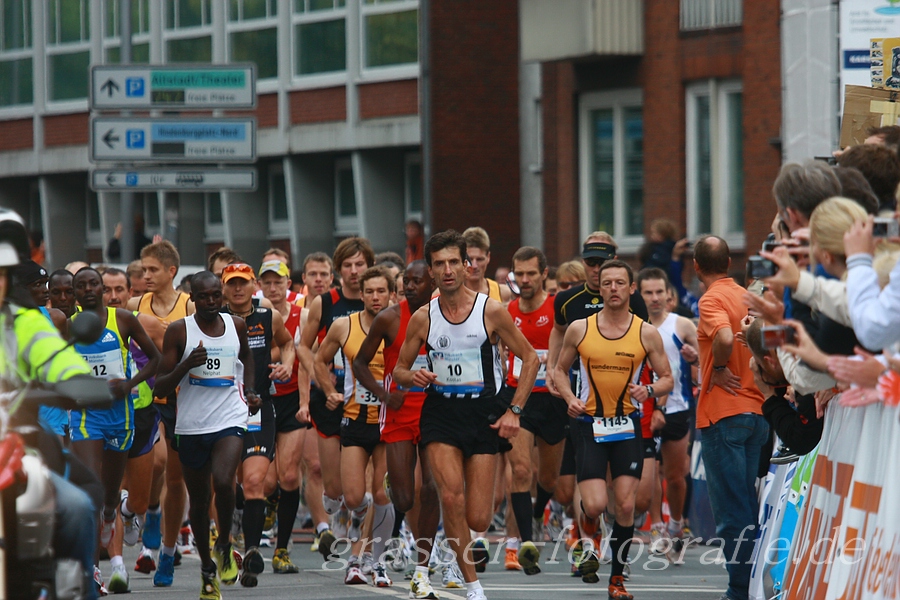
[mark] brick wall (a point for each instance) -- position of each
(475, 127)
(389, 99)
(66, 130)
(266, 112)
(319, 106)
(17, 134)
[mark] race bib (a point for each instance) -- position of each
(364, 397)
(106, 365)
(458, 372)
(254, 422)
(421, 362)
(541, 380)
(612, 429)
(217, 371)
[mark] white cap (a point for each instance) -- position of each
(8, 255)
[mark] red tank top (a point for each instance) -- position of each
(392, 352)
(536, 327)
(292, 323)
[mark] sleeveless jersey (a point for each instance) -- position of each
(179, 311)
(462, 356)
(608, 367)
(681, 395)
(259, 339)
(334, 306)
(292, 323)
(359, 403)
(494, 290)
(536, 327)
(210, 397)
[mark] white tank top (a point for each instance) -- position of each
(211, 396)
(467, 365)
(682, 393)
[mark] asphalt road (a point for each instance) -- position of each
(699, 577)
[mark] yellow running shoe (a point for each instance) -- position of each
(228, 569)
(281, 562)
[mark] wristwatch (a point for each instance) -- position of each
(649, 389)
(516, 410)
(661, 409)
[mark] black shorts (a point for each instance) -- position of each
(327, 422)
(360, 434)
(146, 431)
(196, 450)
(286, 408)
(625, 457)
(568, 461)
(262, 441)
(651, 447)
(167, 418)
(545, 416)
(464, 423)
(678, 425)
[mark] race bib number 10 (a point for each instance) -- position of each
(458, 372)
(613, 429)
(217, 371)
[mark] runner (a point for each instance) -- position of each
(360, 431)
(605, 428)
(399, 418)
(279, 255)
(208, 356)
(116, 288)
(160, 262)
(478, 249)
(462, 417)
(544, 420)
(352, 256)
(101, 438)
(265, 331)
(62, 294)
(290, 433)
(318, 274)
(679, 336)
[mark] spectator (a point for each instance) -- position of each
(881, 168)
(114, 249)
(799, 188)
(855, 187)
(729, 413)
(887, 136)
(415, 241)
(569, 274)
(221, 258)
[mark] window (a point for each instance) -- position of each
(414, 187)
(215, 223)
(68, 49)
(188, 31)
(320, 36)
(279, 224)
(709, 14)
(390, 33)
(715, 161)
(140, 31)
(16, 53)
(93, 233)
(253, 35)
(612, 166)
(345, 206)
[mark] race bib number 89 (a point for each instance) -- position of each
(217, 371)
(613, 429)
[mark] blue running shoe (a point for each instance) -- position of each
(151, 535)
(165, 571)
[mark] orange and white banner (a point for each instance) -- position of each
(847, 542)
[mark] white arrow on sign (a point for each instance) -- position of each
(184, 179)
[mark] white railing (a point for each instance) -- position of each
(709, 14)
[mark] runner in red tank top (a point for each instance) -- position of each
(399, 417)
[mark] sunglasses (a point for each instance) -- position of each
(594, 262)
(564, 285)
(238, 268)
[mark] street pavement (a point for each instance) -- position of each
(699, 577)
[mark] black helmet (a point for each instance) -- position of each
(14, 246)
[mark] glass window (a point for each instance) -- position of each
(181, 14)
(213, 209)
(258, 46)
(69, 75)
(140, 54)
(246, 10)
(93, 211)
(18, 82)
(612, 171)
(346, 192)
(184, 50)
(320, 36)
(715, 160)
(68, 49)
(140, 17)
(278, 206)
(15, 29)
(392, 38)
(151, 211)
(414, 191)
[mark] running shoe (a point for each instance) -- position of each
(589, 565)
(209, 586)
(213, 536)
(476, 595)
(537, 530)
(185, 543)
(555, 523)
(98, 581)
(511, 560)
(530, 558)
(420, 587)
(132, 532)
(314, 547)
(576, 551)
(118, 581)
(271, 514)
(354, 575)
(395, 554)
(326, 543)
(380, 577)
(151, 536)
(237, 535)
(658, 540)
(617, 589)
(281, 562)
(480, 555)
(368, 563)
(145, 563)
(227, 567)
(253, 566)
(165, 571)
(451, 578)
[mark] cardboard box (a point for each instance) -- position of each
(866, 107)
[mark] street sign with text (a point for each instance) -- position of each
(125, 139)
(184, 179)
(186, 87)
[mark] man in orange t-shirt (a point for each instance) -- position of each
(729, 413)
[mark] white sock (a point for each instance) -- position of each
(115, 561)
(168, 550)
(382, 525)
(675, 526)
(323, 526)
(331, 505)
(658, 526)
(512, 543)
(126, 512)
(472, 586)
(422, 570)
